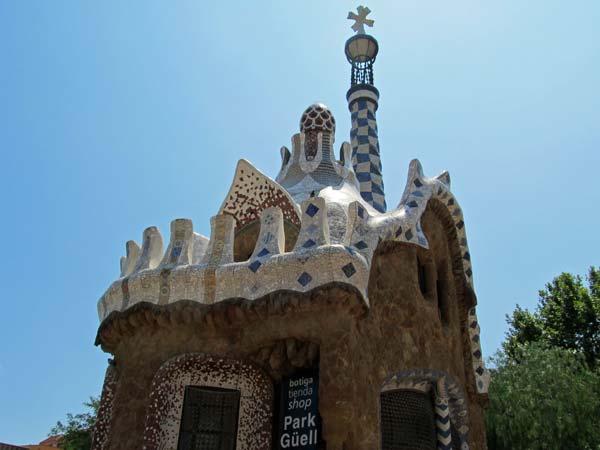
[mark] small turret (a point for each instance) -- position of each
(311, 166)
(363, 100)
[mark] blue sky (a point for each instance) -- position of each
(120, 115)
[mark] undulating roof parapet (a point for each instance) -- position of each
(200, 269)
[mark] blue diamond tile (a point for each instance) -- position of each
(418, 183)
(309, 243)
(312, 210)
(304, 279)
(254, 266)
(361, 245)
(263, 252)
(409, 235)
(349, 270)
(398, 231)
(479, 370)
(361, 212)
(412, 204)
(460, 224)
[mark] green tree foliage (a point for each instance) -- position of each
(77, 431)
(544, 398)
(567, 316)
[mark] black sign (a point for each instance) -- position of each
(299, 421)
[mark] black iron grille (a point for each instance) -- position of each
(209, 419)
(407, 421)
(456, 444)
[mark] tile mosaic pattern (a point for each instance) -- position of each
(450, 403)
(128, 262)
(251, 192)
(442, 417)
(167, 392)
(311, 166)
(102, 426)
(366, 229)
(482, 376)
(317, 117)
(365, 152)
(271, 239)
(339, 232)
(315, 228)
(152, 250)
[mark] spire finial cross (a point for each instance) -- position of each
(360, 19)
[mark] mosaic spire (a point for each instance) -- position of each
(363, 100)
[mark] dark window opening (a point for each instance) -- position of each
(422, 274)
(209, 420)
(442, 296)
(456, 445)
(407, 421)
(245, 241)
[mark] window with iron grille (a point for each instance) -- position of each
(456, 444)
(407, 421)
(209, 419)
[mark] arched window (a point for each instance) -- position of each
(426, 274)
(211, 403)
(209, 420)
(423, 410)
(407, 420)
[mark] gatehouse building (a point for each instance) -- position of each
(314, 316)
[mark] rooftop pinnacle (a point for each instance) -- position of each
(361, 19)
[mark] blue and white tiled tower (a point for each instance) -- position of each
(363, 100)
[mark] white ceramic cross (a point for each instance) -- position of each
(361, 19)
